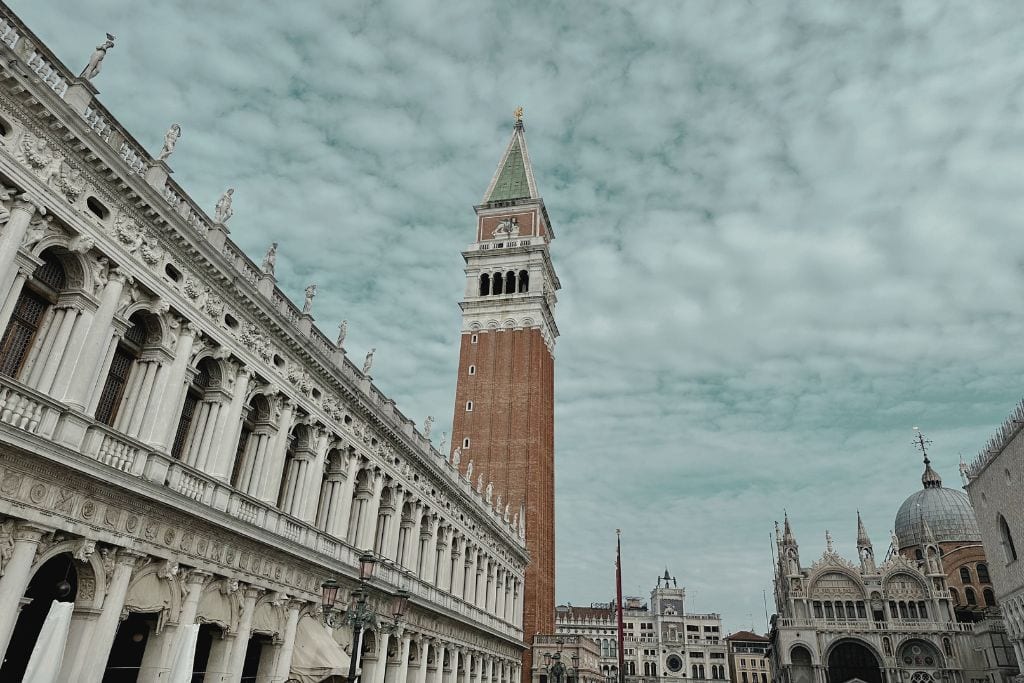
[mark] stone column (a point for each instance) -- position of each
(453, 670)
(390, 546)
(236, 658)
(170, 393)
(467, 668)
(314, 476)
(7, 309)
(13, 235)
(488, 669)
(439, 652)
(429, 559)
(273, 463)
(368, 523)
(449, 573)
(518, 599)
(57, 354)
(381, 666)
(284, 659)
(17, 573)
(91, 346)
(227, 441)
(412, 544)
(90, 662)
(339, 526)
(423, 647)
(401, 672)
(470, 583)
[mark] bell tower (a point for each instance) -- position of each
(504, 397)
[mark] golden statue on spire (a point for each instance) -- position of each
(518, 113)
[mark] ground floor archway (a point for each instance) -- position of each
(851, 660)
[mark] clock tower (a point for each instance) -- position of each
(504, 399)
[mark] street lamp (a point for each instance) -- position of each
(360, 615)
(554, 667)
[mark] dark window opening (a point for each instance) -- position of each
(485, 284)
(97, 208)
(524, 281)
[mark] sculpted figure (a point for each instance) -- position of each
(444, 441)
(490, 492)
(270, 260)
(100, 270)
(895, 541)
(469, 470)
(34, 234)
(342, 333)
(223, 210)
(480, 483)
(456, 456)
(368, 361)
(170, 139)
(307, 305)
(427, 425)
(92, 69)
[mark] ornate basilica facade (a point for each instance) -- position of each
(924, 614)
(180, 445)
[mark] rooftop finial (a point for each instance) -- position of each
(518, 113)
(930, 478)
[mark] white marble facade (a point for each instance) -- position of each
(183, 446)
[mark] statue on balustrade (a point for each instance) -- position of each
(342, 333)
(368, 361)
(92, 69)
(307, 305)
(170, 140)
(223, 210)
(270, 260)
(428, 424)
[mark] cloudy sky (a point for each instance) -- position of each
(787, 233)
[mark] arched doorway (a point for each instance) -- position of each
(129, 647)
(851, 660)
(56, 579)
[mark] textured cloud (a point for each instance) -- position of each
(786, 232)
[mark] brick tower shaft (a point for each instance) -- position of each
(504, 398)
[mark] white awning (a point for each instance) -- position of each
(317, 655)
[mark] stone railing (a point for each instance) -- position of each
(33, 413)
(98, 122)
(871, 625)
(8, 34)
(183, 205)
(49, 74)
(241, 263)
(27, 410)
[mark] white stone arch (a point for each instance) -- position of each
(529, 322)
(268, 618)
(904, 647)
(73, 262)
(219, 605)
(799, 642)
(90, 571)
(156, 325)
(817, 576)
(475, 326)
(509, 324)
(492, 324)
(902, 572)
(149, 593)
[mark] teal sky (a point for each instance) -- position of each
(787, 233)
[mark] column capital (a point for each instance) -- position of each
(30, 532)
(253, 592)
(196, 576)
(28, 204)
(129, 556)
(295, 604)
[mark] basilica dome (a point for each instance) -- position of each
(947, 512)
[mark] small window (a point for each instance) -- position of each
(231, 322)
(172, 273)
(971, 598)
(278, 361)
(97, 208)
(472, 369)
(473, 339)
(965, 575)
(982, 570)
(1007, 538)
(465, 443)
(469, 406)
(989, 597)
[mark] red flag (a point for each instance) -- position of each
(618, 606)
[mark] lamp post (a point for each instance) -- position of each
(360, 615)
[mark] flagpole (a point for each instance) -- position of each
(618, 607)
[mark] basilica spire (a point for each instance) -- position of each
(865, 550)
(513, 178)
(930, 478)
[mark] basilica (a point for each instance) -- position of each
(924, 613)
(189, 466)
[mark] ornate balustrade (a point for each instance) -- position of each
(870, 625)
(29, 412)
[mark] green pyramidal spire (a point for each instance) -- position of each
(514, 177)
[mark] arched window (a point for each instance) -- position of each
(196, 388)
(919, 555)
(947, 646)
(524, 281)
(485, 284)
(1007, 539)
(954, 596)
(510, 282)
(37, 296)
(129, 348)
(965, 575)
(982, 571)
(886, 647)
(989, 597)
(972, 599)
